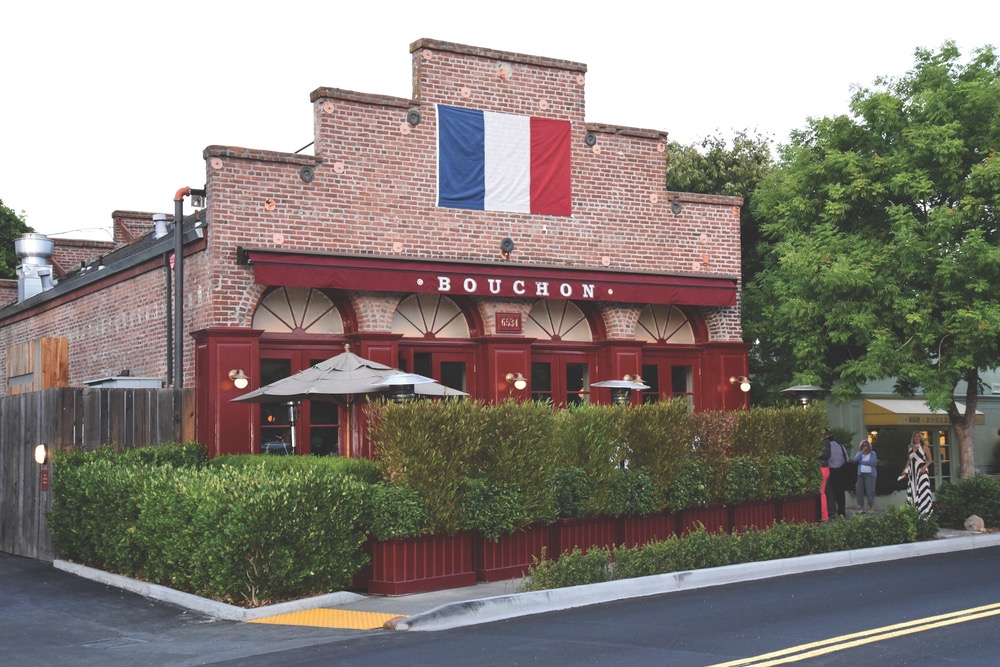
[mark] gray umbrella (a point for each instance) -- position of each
(339, 379)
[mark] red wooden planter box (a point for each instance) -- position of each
(798, 510)
(598, 532)
(754, 514)
(715, 518)
(639, 530)
(510, 556)
(421, 564)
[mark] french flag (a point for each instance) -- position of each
(491, 161)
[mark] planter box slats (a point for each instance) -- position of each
(510, 556)
(715, 518)
(639, 530)
(421, 564)
(757, 514)
(802, 509)
(585, 533)
(438, 562)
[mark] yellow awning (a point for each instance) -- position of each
(902, 412)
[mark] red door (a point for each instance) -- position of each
(317, 423)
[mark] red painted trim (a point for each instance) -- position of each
(382, 274)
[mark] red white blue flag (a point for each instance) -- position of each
(490, 161)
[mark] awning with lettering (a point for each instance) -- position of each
(908, 412)
(390, 274)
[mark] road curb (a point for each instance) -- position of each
(219, 610)
(486, 610)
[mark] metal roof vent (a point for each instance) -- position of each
(34, 251)
(159, 225)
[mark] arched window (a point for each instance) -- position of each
(670, 366)
(296, 315)
(435, 340)
(558, 320)
(429, 316)
(298, 310)
(664, 324)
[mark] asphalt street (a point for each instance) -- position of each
(53, 617)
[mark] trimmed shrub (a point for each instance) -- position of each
(429, 446)
(517, 451)
(956, 501)
(632, 494)
(743, 481)
(691, 488)
(701, 549)
(395, 510)
(788, 476)
(658, 439)
(492, 510)
(573, 569)
(590, 438)
(573, 492)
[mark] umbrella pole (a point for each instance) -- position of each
(291, 421)
(350, 435)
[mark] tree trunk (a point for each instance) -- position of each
(964, 425)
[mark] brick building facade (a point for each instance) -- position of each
(295, 255)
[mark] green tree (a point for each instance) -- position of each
(712, 166)
(716, 166)
(884, 255)
(12, 226)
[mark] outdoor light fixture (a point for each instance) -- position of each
(41, 454)
(239, 378)
(804, 394)
(401, 386)
(620, 389)
(518, 380)
(742, 380)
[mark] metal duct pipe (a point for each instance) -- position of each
(179, 286)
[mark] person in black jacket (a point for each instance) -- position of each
(834, 455)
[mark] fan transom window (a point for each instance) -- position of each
(298, 310)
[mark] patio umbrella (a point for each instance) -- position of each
(339, 379)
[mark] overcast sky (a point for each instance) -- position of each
(108, 105)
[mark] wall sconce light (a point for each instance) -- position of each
(239, 378)
(41, 454)
(518, 380)
(742, 380)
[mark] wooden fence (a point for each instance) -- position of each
(73, 419)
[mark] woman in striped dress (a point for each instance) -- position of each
(918, 481)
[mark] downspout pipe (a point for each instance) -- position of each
(179, 286)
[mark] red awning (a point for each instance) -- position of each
(388, 274)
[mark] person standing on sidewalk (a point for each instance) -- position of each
(918, 481)
(836, 486)
(864, 488)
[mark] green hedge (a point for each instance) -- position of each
(249, 534)
(958, 500)
(702, 549)
(568, 463)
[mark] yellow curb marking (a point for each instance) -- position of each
(331, 618)
(804, 651)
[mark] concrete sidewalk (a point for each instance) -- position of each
(484, 603)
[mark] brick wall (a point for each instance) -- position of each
(373, 192)
(374, 185)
